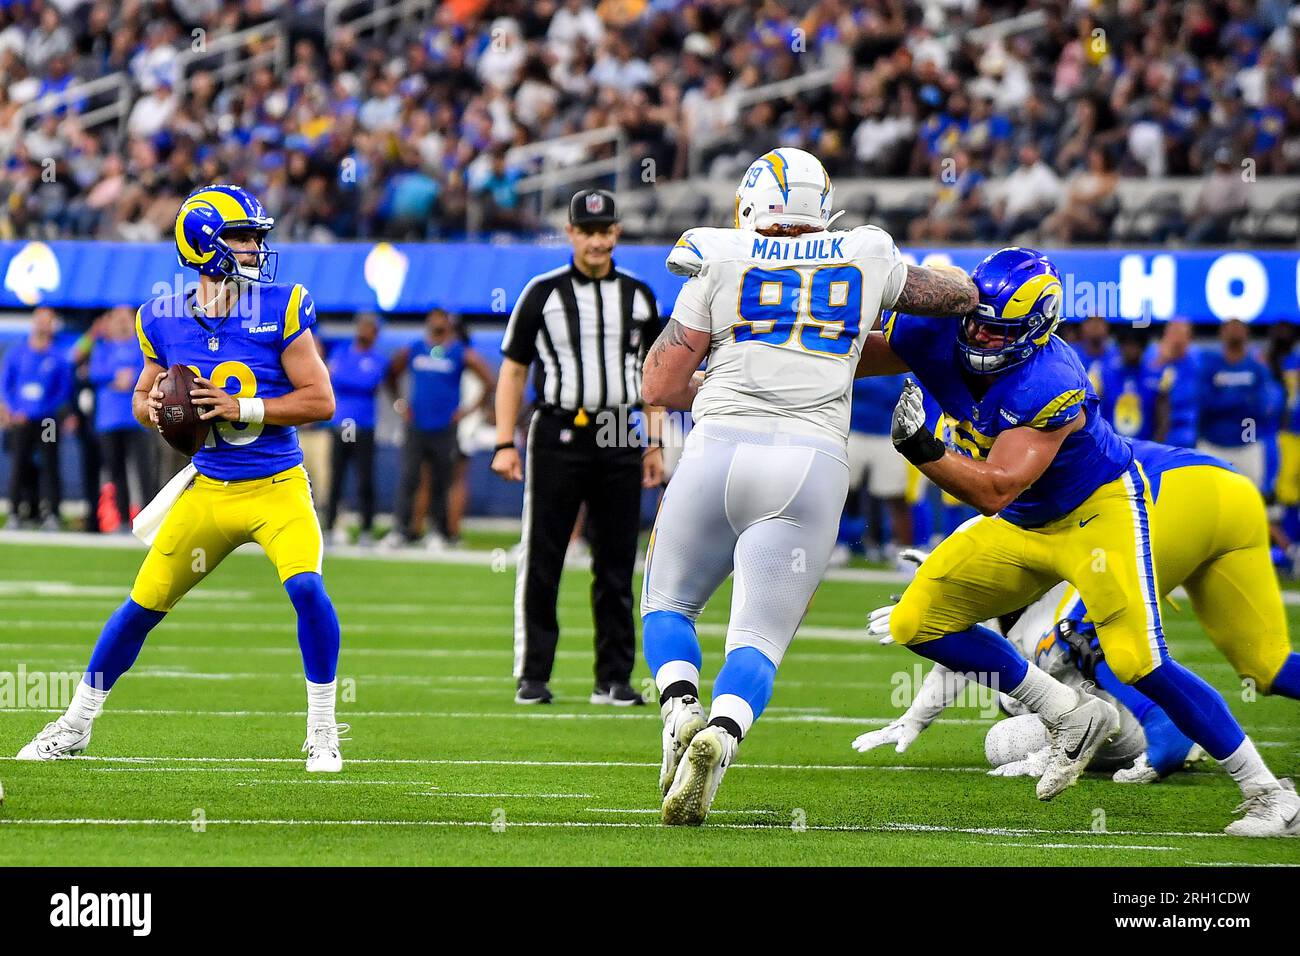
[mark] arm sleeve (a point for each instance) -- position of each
(937, 693)
(692, 306)
(520, 341)
(299, 315)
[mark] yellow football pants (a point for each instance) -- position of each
(990, 567)
(1210, 535)
(212, 518)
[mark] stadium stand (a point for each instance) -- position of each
(416, 119)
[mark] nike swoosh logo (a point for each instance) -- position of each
(1074, 754)
(1085, 521)
(276, 481)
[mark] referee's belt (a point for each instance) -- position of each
(580, 418)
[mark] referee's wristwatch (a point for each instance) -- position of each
(502, 446)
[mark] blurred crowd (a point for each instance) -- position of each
(1235, 397)
(411, 133)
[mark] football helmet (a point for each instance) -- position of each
(785, 187)
(207, 214)
(1019, 305)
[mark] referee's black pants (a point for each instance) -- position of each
(565, 467)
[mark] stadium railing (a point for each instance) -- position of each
(375, 15)
(105, 99)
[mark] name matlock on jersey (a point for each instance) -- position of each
(786, 319)
(240, 353)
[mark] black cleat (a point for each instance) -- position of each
(533, 692)
(618, 693)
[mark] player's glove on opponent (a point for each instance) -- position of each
(913, 440)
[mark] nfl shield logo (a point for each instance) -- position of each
(595, 203)
(213, 343)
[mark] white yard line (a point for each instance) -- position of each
(578, 824)
(494, 796)
(1074, 846)
(450, 762)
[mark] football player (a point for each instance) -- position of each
(780, 307)
(249, 339)
(1061, 499)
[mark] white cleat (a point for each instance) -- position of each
(322, 748)
(56, 742)
(1140, 772)
(1075, 741)
(1272, 812)
(698, 776)
(683, 719)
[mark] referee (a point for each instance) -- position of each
(587, 326)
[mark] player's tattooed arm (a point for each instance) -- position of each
(937, 292)
(668, 376)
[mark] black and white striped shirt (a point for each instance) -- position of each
(589, 337)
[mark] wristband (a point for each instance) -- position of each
(251, 410)
(920, 448)
(503, 446)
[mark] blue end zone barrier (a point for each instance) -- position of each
(486, 278)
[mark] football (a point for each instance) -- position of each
(178, 420)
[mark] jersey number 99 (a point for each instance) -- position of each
(823, 309)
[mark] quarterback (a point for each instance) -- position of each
(1061, 499)
(249, 341)
(781, 307)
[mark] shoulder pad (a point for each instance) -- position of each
(698, 246)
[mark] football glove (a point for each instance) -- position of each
(901, 733)
(1032, 766)
(913, 440)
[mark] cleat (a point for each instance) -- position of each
(1140, 772)
(1075, 740)
(56, 742)
(618, 694)
(533, 692)
(322, 748)
(698, 776)
(683, 719)
(1271, 812)
(340, 537)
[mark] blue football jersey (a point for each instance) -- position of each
(241, 354)
(1047, 391)
(1128, 397)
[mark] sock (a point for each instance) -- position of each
(320, 703)
(87, 702)
(742, 690)
(672, 651)
(1245, 766)
(1196, 708)
(1044, 695)
(984, 655)
(318, 627)
(1287, 681)
(119, 644)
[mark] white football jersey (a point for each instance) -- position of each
(787, 318)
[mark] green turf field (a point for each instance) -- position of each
(196, 759)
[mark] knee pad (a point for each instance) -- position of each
(1127, 665)
(1014, 739)
(905, 619)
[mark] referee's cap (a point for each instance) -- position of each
(593, 207)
